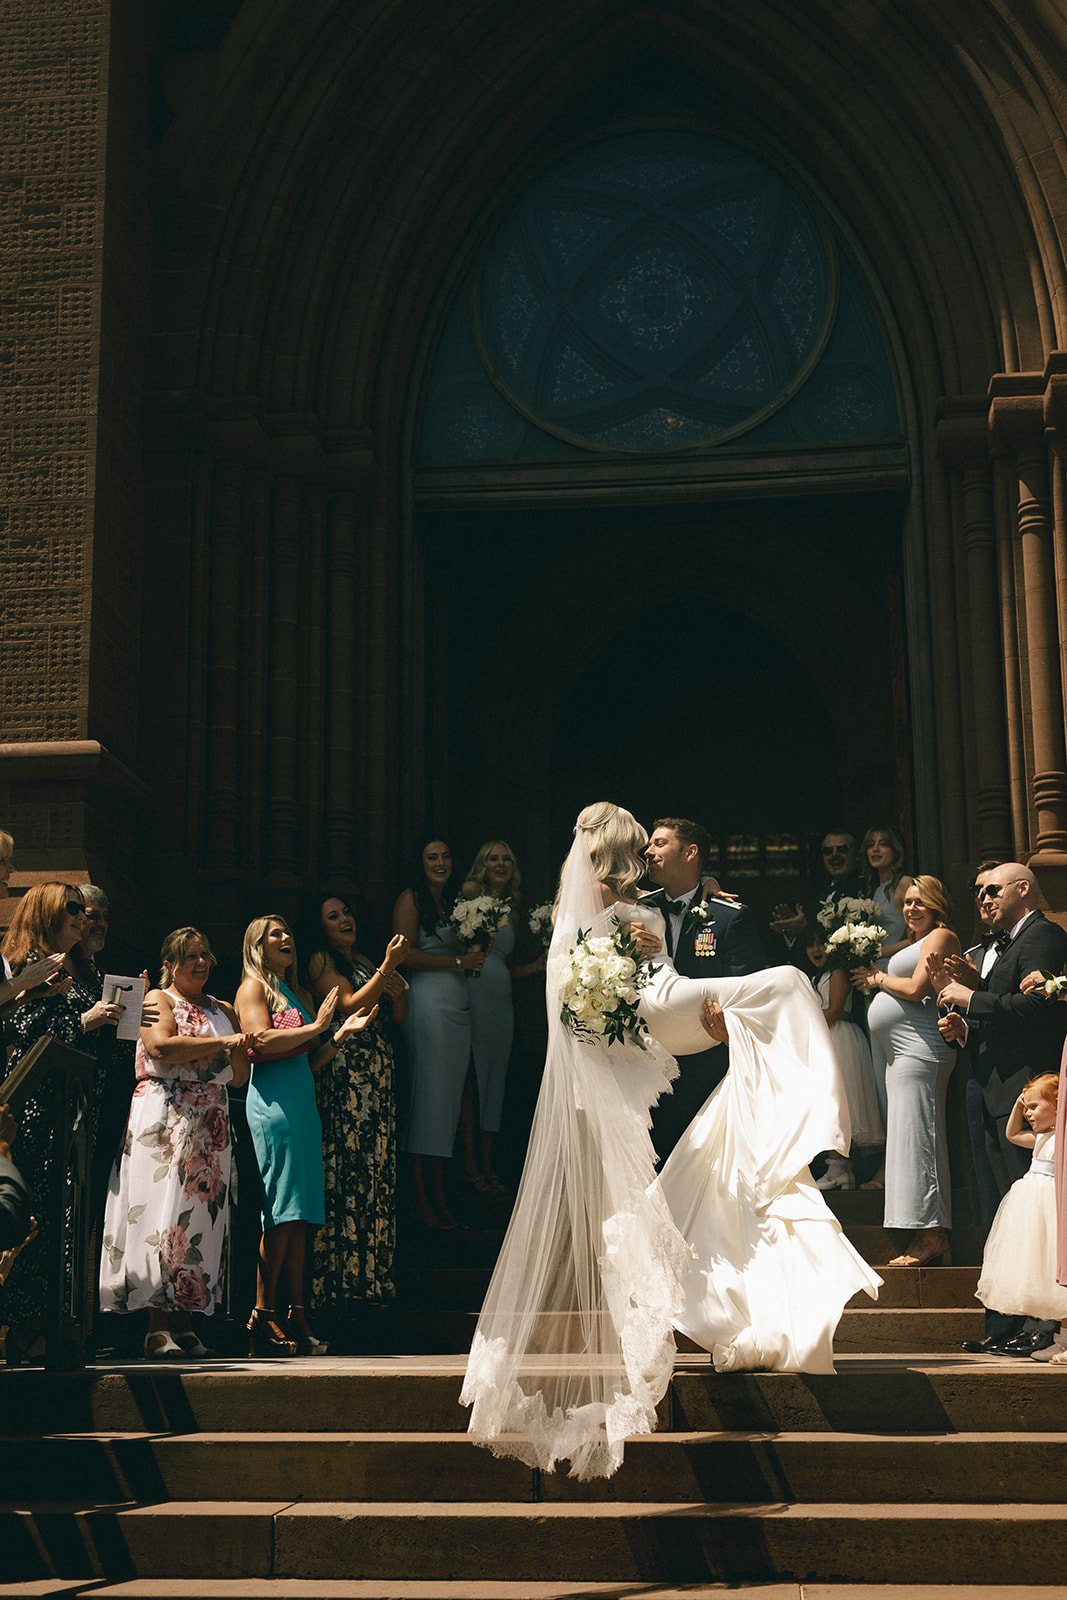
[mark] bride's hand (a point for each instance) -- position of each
(648, 943)
(713, 1022)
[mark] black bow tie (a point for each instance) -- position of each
(1001, 942)
(673, 908)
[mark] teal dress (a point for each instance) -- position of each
(284, 1122)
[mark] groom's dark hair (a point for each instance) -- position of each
(689, 833)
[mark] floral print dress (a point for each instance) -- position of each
(352, 1260)
(167, 1206)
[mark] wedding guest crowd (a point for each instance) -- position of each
(310, 1038)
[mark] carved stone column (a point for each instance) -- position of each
(1017, 420)
(282, 863)
(963, 445)
(339, 822)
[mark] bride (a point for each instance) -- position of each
(734, 1244)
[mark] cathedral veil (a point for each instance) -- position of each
(574, 1346)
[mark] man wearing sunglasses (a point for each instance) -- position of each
(839, 860)
(1009, 1036)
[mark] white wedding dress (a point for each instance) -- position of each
(771, 1271)
(733, 1243)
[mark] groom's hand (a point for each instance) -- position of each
(713, 1022)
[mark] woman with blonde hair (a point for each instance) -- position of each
(882, 854)
(284, 1122)
(494, 871)
(903, 1024)
(734, 1244)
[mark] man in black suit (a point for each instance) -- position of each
(707, 938)
(843, 878)
(1009, 1036)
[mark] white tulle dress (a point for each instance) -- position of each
(733, 1243)
(1019, 1260)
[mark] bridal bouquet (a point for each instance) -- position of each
(602, 985)
(849, 908)
(541, 923)
(854, 944)
(477, 920)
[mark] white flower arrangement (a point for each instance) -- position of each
(602, 986)
(541, 923)
(849, 908)
(1054, 986)
(854, 944)
(477, 920)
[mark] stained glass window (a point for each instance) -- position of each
(658, 290)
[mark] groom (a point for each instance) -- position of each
(708, 938)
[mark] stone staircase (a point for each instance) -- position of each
(352, 1477)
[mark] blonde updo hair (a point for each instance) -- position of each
(615, 840)
(933, 896)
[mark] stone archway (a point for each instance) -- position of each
(321, 170)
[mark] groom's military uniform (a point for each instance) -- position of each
(726, 944)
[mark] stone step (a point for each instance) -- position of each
(399, 1589)
(894, 1393)
(923, 1288)
(620, 1542)
(436, 1468)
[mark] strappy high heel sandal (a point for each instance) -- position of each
(306, 1342)
(265, 1338)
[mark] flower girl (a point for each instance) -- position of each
(1019, 1262)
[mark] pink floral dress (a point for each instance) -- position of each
(167, 1206)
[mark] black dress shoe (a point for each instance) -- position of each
(1024, 1344)
(984, 1347)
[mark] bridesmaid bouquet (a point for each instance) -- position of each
(541, 923)
(849, 908)
(854, 944)
(602, 986)
(477, 920)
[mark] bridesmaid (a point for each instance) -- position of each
(284, 1124)
(887, 884)
(352, 1261)
(494, 871)
(438, 1028)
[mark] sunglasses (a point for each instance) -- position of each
(75, 908)
(989, 891)
(837, 850)
(96, 916)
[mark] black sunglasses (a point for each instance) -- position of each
(989, 891)
(75, 908)
(96, 916)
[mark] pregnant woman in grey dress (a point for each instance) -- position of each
(903, 1022)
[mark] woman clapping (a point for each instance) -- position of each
(353, 1256)
(166, 1219)
(284, 1123)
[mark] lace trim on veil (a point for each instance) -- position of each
(574, 1347)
